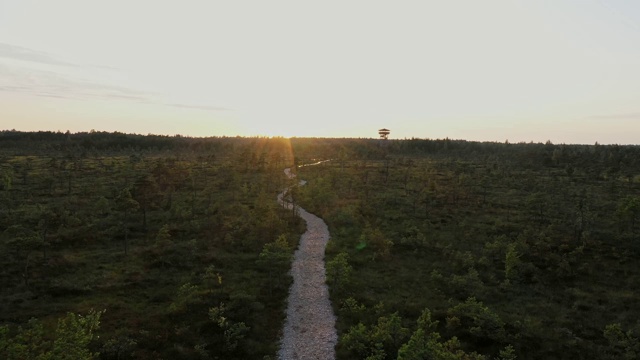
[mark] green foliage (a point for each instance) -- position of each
(170, 206)
(508, 353)
(275, 258)
(118, 348)
(6, 178)
(351, 310)
(125, 202)
(234, 332)
(413, 238)
(389, 339)
(71, 341)
(187, 295)
(77, 202)
(390, 333)
(540, 233)
(163, 245)
(381, 340)
(622, 345)
(356, 341)
(339, 272)
(629, 211)
(73, 335)
(477, 320)
(512, 263)
(277, 253)
(441, 215)
(425, 344)
(27, 343)
(466, 285)
(374, 239)
(164, 235)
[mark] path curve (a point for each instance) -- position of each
(309, 329)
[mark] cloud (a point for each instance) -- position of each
(14, 52)
(200, 107)
(54, 84)
(94, 89)
(126, 97)
(25, 54)
(623, 116)
(13, 88)
(105, 67)
(69, 84)
(53, 96)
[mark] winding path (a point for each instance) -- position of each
(309, 329)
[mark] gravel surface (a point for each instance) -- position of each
(309, 330)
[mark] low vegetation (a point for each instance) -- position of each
(465, 250)
(118, 246)
(166, 247)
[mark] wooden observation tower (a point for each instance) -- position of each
(384, 134)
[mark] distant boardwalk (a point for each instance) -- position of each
(309, 330)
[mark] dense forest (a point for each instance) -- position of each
(119, 246)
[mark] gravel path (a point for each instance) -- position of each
(309, 330)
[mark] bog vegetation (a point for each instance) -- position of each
(458, 250)
(119, 246)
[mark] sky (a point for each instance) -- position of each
(561, 70)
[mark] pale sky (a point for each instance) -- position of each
(561, 70)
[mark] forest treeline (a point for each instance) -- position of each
(118, 246)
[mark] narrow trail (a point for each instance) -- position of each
(309, 329)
